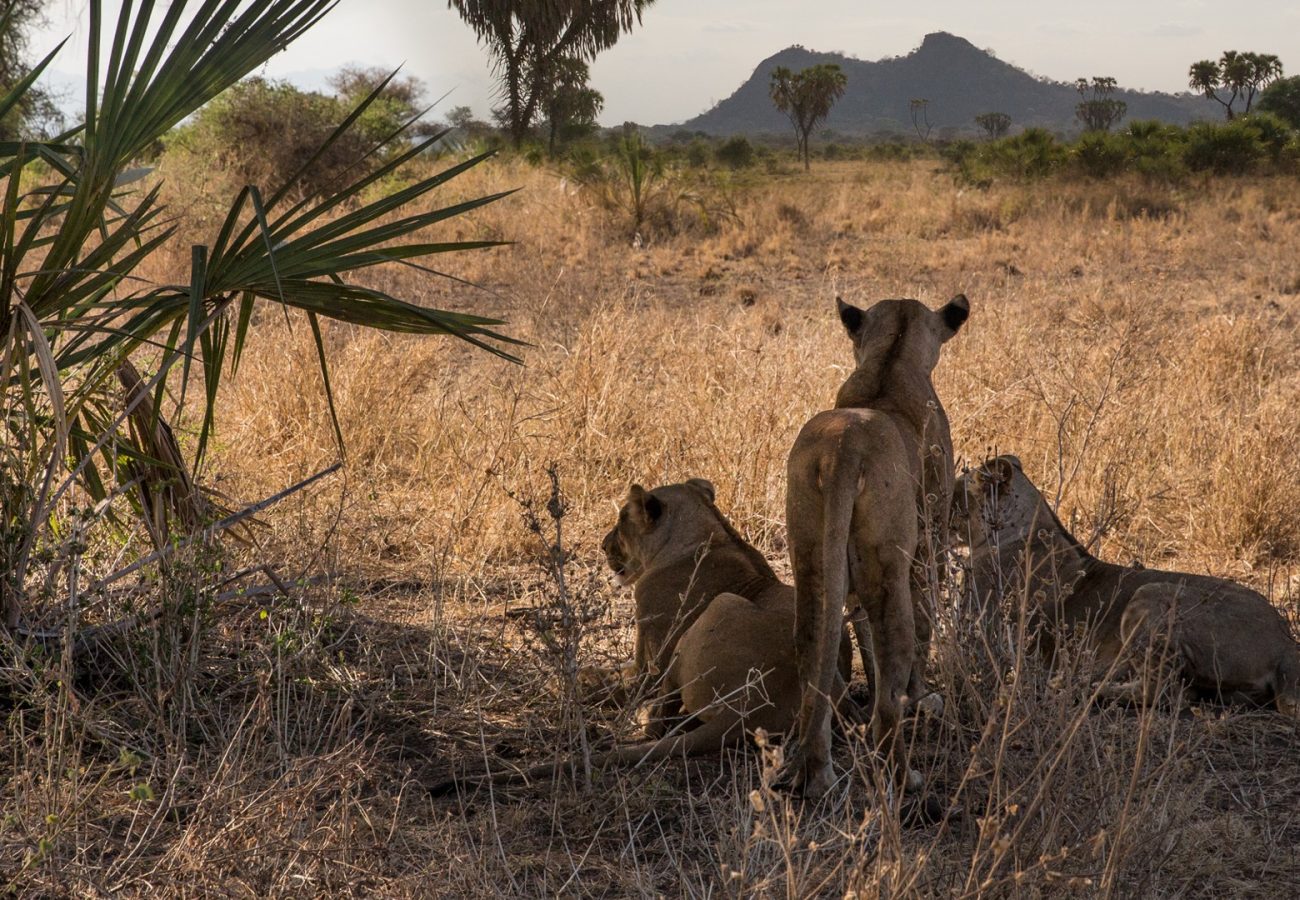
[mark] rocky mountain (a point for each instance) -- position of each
(959, 79)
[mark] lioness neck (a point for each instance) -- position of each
(1039, 555)
(720, 539)
(893, 390)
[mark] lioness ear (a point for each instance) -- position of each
(954, 314)
(1014, 460)
(998, 470)
(644, 506)
(850, 315)
(653, 508)
(704, 485)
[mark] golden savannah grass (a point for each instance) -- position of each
(1136, 345)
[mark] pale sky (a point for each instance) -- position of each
(688, 54)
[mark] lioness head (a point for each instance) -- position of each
(995, 502)
(666, 521)
(902, 330)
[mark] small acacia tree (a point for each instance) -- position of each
(806, 98)
(263, 132)
(1235, 76)
(399, 105)
(461, 118)
(994, 124)
(1097, 109)
(528, 39)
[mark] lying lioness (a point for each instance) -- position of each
(714, 629)
(709, 608)
(1220, 638)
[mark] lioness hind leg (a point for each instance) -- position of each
(862, 583)
(862, 631)
(807, 767)
(893, 642)
(1148, 629)
(918, 691)
(919, 695)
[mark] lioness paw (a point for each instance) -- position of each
(931, 704)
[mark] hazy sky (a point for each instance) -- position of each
(690, 53)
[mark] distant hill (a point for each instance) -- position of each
(959, 79)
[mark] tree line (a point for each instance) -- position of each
(541, 52)
(806, 97)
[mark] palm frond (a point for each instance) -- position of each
(73, 311)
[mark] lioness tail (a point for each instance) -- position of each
(723, 730)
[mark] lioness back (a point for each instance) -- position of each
(812, 470)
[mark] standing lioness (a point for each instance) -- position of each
(1220, 638)
(865, 480)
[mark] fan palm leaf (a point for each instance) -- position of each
(73, 313)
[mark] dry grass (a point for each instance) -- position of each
(1138, 347)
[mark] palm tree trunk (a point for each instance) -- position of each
(514, 99)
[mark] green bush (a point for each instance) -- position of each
(1032, 154)
(736, 153)
(1290, 161)
(957, 151)
(263, 131)
(1274, 132)
(970, 161)
(1156, 149)
(698, 154)
(1282, 99)
(894, 149)
(1101, 154)
(1224, 148)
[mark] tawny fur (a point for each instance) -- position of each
(867, 481)
(713, 630)
(1221, 639)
